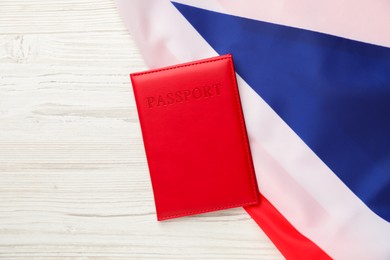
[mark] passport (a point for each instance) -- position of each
(195, 138)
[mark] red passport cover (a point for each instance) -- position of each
(195, 138)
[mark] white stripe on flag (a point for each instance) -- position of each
(363, 20)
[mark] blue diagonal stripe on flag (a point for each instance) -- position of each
(333, 92)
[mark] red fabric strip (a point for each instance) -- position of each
(290, 242)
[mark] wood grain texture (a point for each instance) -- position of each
(74, 182)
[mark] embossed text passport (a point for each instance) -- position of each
(195, 138)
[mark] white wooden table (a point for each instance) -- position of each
(73, 176)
